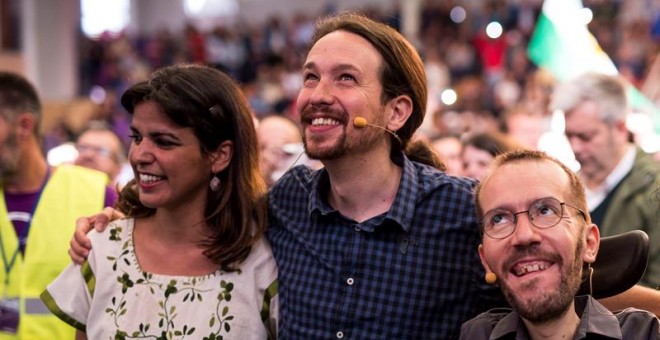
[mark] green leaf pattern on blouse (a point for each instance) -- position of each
(175, 292)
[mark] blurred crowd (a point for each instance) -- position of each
(498, 90)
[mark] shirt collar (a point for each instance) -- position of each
(402, 209)
(319, 188)
(594, 319)
(622, 169)
(619, 172)
(510, 324)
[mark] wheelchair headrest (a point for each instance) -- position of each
(619, 265)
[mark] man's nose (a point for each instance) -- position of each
(525, 232)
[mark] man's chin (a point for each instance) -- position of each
(541, 308)
(324, 154)
(539, 303)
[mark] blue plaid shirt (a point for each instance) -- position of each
(410, 273)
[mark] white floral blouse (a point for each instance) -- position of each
(110, 297)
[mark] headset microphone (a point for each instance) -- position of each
(361, 122)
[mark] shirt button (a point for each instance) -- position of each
(356, 228)
(340, 335)
(350, 281)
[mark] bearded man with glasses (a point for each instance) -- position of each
(537, 240)
(100, 148)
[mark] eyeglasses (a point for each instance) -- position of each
(98, 150)
(543, 214)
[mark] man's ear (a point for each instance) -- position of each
(401, 109)
(221, 157)
(483, 259)
(25, 125)
(591, 243)
(621, 125)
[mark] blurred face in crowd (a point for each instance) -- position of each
(341, 81)
(475, 162)
(276, 136)
(525, 129)
(538, 270)
(597, 145)
(100, 150)
(449, 150)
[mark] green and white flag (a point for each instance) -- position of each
(563, 45)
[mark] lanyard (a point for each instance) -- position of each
(9, 264)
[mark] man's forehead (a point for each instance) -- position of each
(587, 110)
(513, 179)
(339, 45)
(99, 138)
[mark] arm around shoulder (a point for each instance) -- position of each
(638, 297)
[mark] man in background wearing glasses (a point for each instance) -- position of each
(536, 242)
(101, 149)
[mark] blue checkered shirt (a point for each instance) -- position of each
(410, 273)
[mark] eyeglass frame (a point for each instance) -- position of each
(531, 220)
(102, 151)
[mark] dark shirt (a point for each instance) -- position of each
(596, 322)
(410, 273)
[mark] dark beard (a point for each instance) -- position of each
(549, 306)
(9, 158)
(342, 146)
(336, 151)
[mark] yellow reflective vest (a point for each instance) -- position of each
(71, 192)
